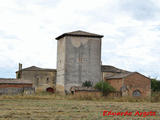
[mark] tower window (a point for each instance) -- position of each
(47, 80)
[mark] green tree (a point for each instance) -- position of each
(155, 84)
(105, 87)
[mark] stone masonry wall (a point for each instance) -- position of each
(82, 62)
(60, 65)
(40, 79)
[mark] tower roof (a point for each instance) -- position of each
(79, 33)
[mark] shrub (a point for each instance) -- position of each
(105, 87)
(87, 84)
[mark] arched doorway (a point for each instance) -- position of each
(49, 89)
(136, 93)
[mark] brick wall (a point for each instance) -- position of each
(139, 82)
(116, 83)
(133, 82)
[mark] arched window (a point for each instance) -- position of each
(136, 93)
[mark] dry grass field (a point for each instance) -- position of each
(52, 107)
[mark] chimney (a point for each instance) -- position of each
(20, 66)
(19, 75)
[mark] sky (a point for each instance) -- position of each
(131, 30)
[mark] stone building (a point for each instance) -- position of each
(41, 78)
(78, 59)
(128, 83)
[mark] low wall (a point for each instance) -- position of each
(115, 94)
(88, 93)
(14, 90)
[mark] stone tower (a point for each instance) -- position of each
(78, 59)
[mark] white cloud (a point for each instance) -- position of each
(28, 29)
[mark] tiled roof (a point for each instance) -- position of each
(34, 68)
(7, 78)
(118, 75)
(79, 33)
(109, 68)
(115, 72)
(15, 81)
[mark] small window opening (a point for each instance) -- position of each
(136, 93)
(47, 81)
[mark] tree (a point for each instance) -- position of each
(155, 84)
(105, 87)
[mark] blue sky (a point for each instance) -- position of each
(131, 30)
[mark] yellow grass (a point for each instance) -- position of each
(45, 106)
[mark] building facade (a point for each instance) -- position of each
(128, 83)
(40, 77)
(78, 59)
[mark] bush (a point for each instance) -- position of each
(105, 87)
(87, 84)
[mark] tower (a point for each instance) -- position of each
(78, 59)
